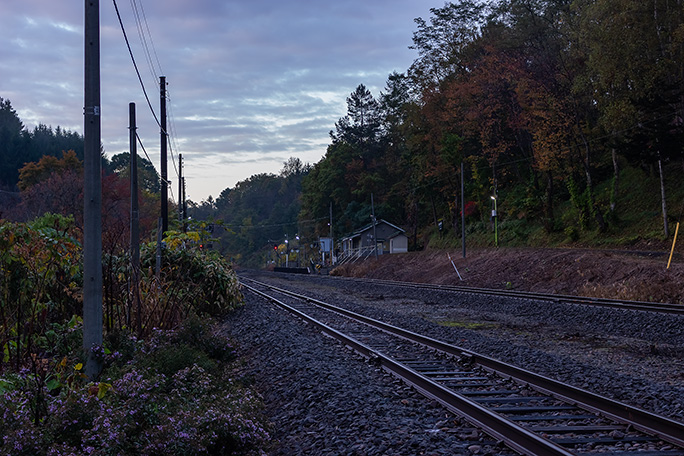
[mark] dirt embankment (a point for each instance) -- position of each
(640, 276)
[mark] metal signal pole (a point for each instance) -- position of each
(164, 173)
(92, 191)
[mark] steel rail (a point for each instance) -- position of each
(650, 423)
(661, 307)
(519, 439)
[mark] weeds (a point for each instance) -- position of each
(164, 389)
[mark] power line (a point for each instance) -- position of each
(138, 12)
(135, 65)
(172, 135)
(278, 225)
(137, 71)
(147, 27)
(142, 146)
(145, 37)
(142, 37)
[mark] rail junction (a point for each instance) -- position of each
(530, 413)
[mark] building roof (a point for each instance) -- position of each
(360, 231)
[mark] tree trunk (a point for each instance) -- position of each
(662, 197)
(590, 186)
(616, 178)
(549, 202)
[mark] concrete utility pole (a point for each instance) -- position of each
(332, 241)
(180, 189)
(463, 237)
(185, 208)
(92, 191)
(164, 173)
(135, 222)
(375, 235)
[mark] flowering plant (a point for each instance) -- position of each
(147, 409)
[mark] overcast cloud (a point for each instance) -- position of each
(250, 82)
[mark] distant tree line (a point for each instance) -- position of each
(19, 146)
(258, 212)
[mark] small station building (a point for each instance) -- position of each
(388, 238)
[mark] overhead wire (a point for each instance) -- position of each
(277, 225)
(142, 146)
(147, 27)
(144, 30)
(173, 144)
(143, 26)
(135, 65)
(146, 36)
(143, 39)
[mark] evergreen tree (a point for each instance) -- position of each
(13, 140)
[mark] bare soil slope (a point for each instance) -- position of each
(640, 276)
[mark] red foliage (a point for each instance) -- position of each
(470, 208)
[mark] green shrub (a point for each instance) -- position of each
(572, 233)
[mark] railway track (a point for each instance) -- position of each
(645, 306)
(532, 414)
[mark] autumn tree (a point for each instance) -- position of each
(57, 193)
(443, 43)
(636, 79)
(35, 172)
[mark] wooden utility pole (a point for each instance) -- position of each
(135, 222)
(164, 173)
(92, 191)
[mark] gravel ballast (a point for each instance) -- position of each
(322, 399)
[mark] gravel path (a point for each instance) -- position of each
(322, 400)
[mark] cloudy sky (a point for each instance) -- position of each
(250, 82)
